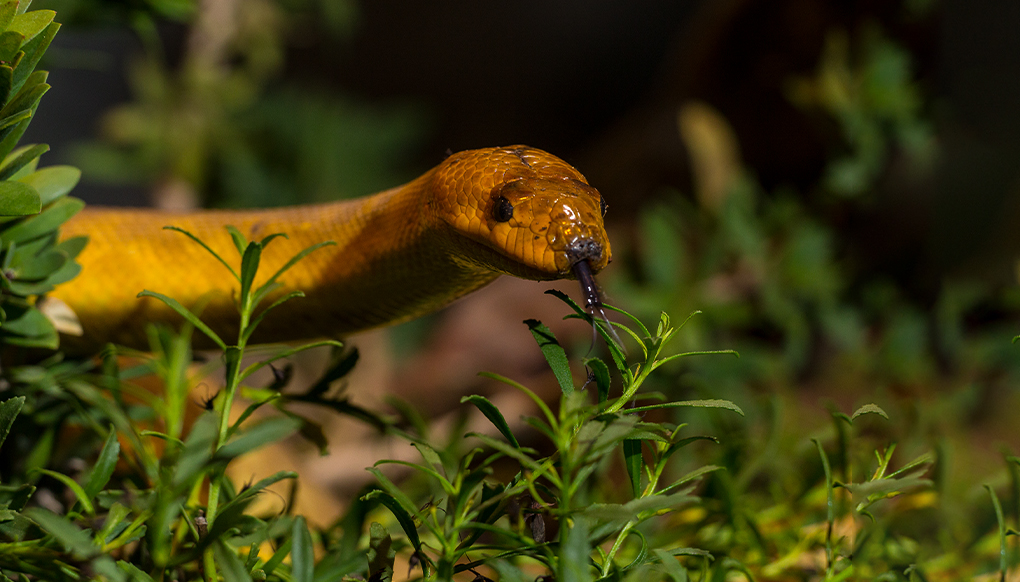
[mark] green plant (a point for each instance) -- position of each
(552, 511)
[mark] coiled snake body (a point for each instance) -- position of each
(399, 253)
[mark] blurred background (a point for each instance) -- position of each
(836, 185)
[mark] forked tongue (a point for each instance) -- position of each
(593, 302)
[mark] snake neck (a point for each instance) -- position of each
(393, 260)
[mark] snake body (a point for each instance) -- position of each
(399, 254)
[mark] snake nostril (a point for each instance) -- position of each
(584, 249)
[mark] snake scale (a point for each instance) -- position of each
(399, 254)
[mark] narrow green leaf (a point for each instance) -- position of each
(33, 50)
(633, 461)
(490, 411)
(251, 369)
(239, 239)
(293, 261)
(206, 247)
(302, 555)
(600, 371)
(9, 410)
(25, 99)
(105, 465)
(278, 557)
(554, 354)
(187, 315)
(711, 403)
(229, 563)
(403, 518)
(73, 485)
(869, 409)
(574, 564)
(12, 166)
(261, 434)
(69, 535)
(249, 268)
(134, 574)
(671, 565)
(43, 223)
(6, 82)
(52, 182)
(254, 323)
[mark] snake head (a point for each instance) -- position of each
(533, 215)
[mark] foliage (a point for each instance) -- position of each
(641, 473)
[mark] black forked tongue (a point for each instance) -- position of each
(593, 302)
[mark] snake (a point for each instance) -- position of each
(398, 254)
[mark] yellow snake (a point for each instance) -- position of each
(399, 254)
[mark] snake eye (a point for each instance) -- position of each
(502, 210)
(602, 205)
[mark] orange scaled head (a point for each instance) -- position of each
(523, 211)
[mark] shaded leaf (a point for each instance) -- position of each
(302, 556)
(74, 539)
(494, 415)
(104, 467)
(187, 315)
(712, 403)
(27, 156)
(9, 410)
(17, 199)
(600, 371)
(43, 223)
(633, 462)
(554, 354)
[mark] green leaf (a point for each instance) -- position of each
(600, 370)
(187, 315)
(869, 409)
(6, 82)
(494, 415)
(134, 574)
(43, 223)
(254, 323)
(249, 268)
(263, 433)
(33, 50)
(229, 563)
(9, 410)
(11, 166)
(14, 119)
(206, 247)
(32, 23)
(711, 403)
(380, 554)
(554, 354)
(302, 555)
(239, 240)
(8, 10)
(672, 567)
(42, 266)
(574, 564)
(403, 518)
(32, 324)
(291, 263)
(73, 485)
(52, 182)
(10, 42)
(633, 462)
(69, 535)
(105, 465)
